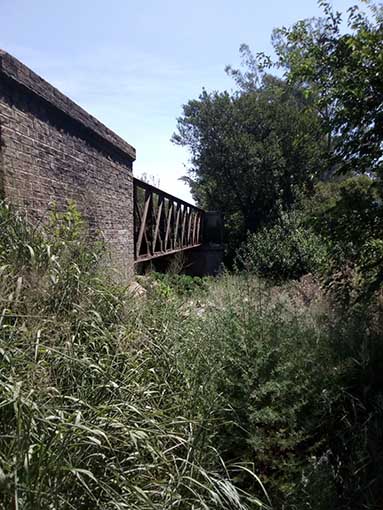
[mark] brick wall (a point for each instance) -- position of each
(52, 150)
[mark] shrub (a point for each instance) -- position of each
(295, 389)
(180, 284)
(287, 249)
(347, 212)
(349, 215)
(267, 374)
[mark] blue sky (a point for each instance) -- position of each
(133, 64)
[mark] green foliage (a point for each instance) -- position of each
(349, 215)
(180, 284)
(287, 249)
(66, 226)
(251, 152)
(349, 212)
(109, 401)
(95, 411)
(290, 390)
(300, 384)
(342, 70)
(370, 268)
(303, 389)
(357, 442)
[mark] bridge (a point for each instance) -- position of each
(163, 224)
(52, 151)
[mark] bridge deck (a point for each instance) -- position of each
(163, 224)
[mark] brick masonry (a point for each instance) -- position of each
(51, 150)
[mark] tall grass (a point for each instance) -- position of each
(94, 409)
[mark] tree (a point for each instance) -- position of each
(252, 151)
(344, 71)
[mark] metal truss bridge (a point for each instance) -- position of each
(163, 224)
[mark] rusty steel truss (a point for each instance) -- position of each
(163, 224)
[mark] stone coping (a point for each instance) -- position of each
(17, 71)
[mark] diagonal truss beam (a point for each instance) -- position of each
(163, 224)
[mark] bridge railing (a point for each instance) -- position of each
(163, 224)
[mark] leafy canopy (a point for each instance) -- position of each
(343, 70)
(252, 151)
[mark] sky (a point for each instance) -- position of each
(133, 64)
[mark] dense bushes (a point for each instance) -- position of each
(336, 233)
(180, 284)
(349, 215)
(287, 249)
(292, 388)
(274, 373)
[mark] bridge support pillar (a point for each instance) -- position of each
(207, 259)
(52, 151)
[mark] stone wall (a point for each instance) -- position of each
(51, 150)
